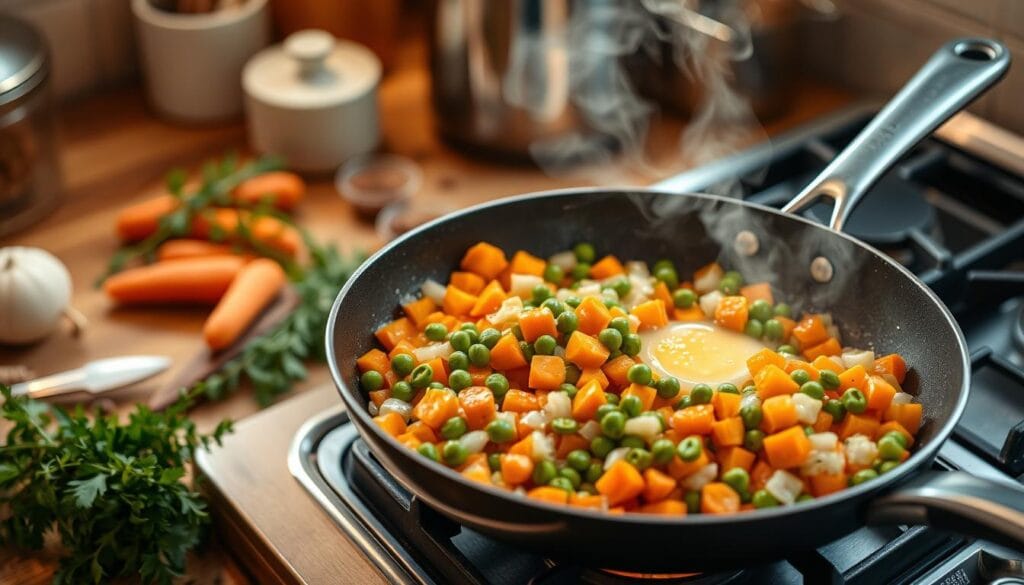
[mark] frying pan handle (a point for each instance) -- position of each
(959, 72)
(957, 502)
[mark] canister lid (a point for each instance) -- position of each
(23, 58)
(311, 70)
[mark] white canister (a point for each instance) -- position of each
(313, 100)
(193, 62)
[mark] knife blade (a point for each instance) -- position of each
(96, 376)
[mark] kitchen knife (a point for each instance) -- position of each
(96, 376)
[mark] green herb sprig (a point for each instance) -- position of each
(112, 490)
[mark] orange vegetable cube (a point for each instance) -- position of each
(908, 415)
(732, 313)
(516, 469)
(525, 263)
(694, 420)
(760, 474)
(646, 394)
(537, 322)
(594, 501)
(569, 443)
(794, 365)
(547, 372)
(661, 292)
(855, 377)
(828, 483)
(893, 426)
(375, 360)
(694, 313)
(409, 440)
(524, 446)
(879, 394)
(506, 354)
(592, 316)
(620, 483)
(788, 325)
(389, 335)
(379, 396)
(489, 300)
(437, 406)
(719, 498)
(617, 369)
(519, 401)
(477, 403)
(826, 363)
(551, 495)
(652, 314)
(726, 405)
(589, 374)
(893, 365)
(657, 485)
(392, 423)
(664, 507)
(605, 267)
(418, 310)
(774, 381)
(857, 424)
(730, 457)
(478, 470)
(828, 347)
(823, 423)
(437, 366)
(458, 302)
(728, 432)
(484, 259)
(422, 432)
(778, 413)
(765, 357)
(760, 291)
(679, 469)
(810, 331)
(585, 351)
(788, 448)
(467, 281)
(588, 399)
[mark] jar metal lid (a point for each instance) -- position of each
(23, 59)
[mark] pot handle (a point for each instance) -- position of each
(957, 502)
(956, 74)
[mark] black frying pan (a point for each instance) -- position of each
(876, 302)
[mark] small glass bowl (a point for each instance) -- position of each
(402, 216)
(372, 182)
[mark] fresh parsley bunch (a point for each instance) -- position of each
(112, 490)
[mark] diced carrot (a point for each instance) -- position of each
(657, 485)
(694, 313)
(479, 375)
(440, 370)
(894, 426)
(537, 322)
(728, 432)
(477, 470)
(467, 282)
(810, 331)
(617, 369)
(547, 372)
(893, 365)
(759, 291)
(588, 399)
(506, 354)
(585, 351)
(718, 498)
(379, 396)
(549, 494)
(732, 313)
(516, 469)
(828, 347)
(375, 360)
(823, 423)
(855, 377)
(457, 301)
(417, 311)
(389, 335)
(857, 424)
(403, 346)
(569, 443)
(517, 377)
(525, 263)
(664, 507)
(694, 420)
(826, 363)
(594, 501)
(621, 482)
(788, 448)
(759, 360)
(523, 446)
(436, 407)
(679, 469)
(477, 403)
(193, 280)
(519, 401)
(646, 394)
(489, 301)
(588, 374)
(827, 483)
(908, 415)
(726, 404)
(879, 393)
(652, 314)
(774, 381)
(794, 365)
(422, 432)
(409, 440)
(778, 413)
(592, 316)
(788, 325)
(760, 474)
(730, 457)
(392, 423)
(661, 292)
(484, 259)
(606, 267)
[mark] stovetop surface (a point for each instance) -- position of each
(953, 219)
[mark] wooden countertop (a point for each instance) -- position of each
(115, 152)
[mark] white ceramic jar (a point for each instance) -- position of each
(313, 100)
(193, 62)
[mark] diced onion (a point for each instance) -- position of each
(522, 285)
(614, 456)
(564, 260)
(509, 417)
(474, 441)
(535, 419)
(591, 289)
(784, 486)
(559, 405)
(609, 294)
(819, 462)
(902, 398)
(508, 312)
(559, 352)
(372, 409)
(859, 357)
(564, 293)
(823, 441)
(893, 382)
(833, 331)
(860, 450)
(701, 477)
(432, 351)
(399, 407)
(807, 408)
(590, 430)
(543, 446)
(637, 268)
(433, 290)
(645, 427)
(710, 280)
(709, 302)
(634, 322)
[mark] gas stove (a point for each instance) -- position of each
(952, 211)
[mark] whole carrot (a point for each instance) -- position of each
(254, 287)
(186, 248)
(196, 280)
(281, 189)
(138, 221)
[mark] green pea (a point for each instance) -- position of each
(500, 430)
(890, 449)
(751, 415)
(454, 453)
(729, 286)
(632, 442)
(421, 375)
(572, 475)
(601, 446)
(692, 499)
(701, 394)
(544, 472)
(402, 364)
(620, 324)
(564, 426)
(458, 360)
(527, 349)
(561, 483)
(584, 252)
(435, 386)
(800, 376)
(631, 405)
(572, 302)
(662, 263)
(734, 275)
(469, 328)
(754, 328)
(494, 461)
(662, 451)
(809, 431)
(567, 322)
(498, 384)
(760, 310)
(684, 402)
(541, 293)
(689, 449)
(829, 379)
(572, 373)
(436, 332)
(773, 330)
(371, 380)
(612, 399)
(580, 271)
(668, 275)
(578, 459)
(782, 310)
(753, 440)
(545, 345)
(631, 344)
(764, 499)
(862, 476)
(613, 424)
(555, 306)
(459, 379)
(553, 273)
(490, 337)
(737, 478)
(668, 387)
(898, 437)
(639, 458)
(517, 332)
(479, 355)
(603, 410)
(402, 390)
(460, 340)
(887, 466)
(854, 401)
(429, 451)
(684, 298)
(787, 349)
(610, 338)
(749, 390)
(454, 427)
(804, 498)
(639, 374)
(594, 472)
(569, 389)
(813, 389)
(835, 408)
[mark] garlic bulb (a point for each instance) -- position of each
(35, 289)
